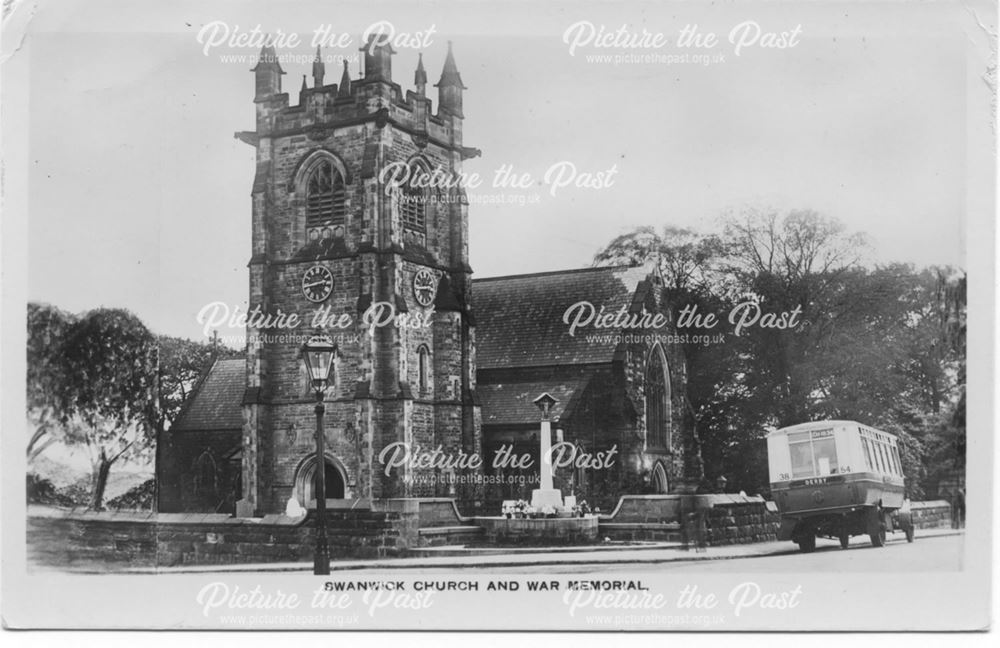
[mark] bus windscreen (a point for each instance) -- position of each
(813, 454)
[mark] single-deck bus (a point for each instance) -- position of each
(837, 479)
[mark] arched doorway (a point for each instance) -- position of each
(305, 481)
(660, 479)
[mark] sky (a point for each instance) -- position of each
(139, 196)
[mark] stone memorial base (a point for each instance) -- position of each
(546, 498)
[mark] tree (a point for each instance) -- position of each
(686, 260)
(935, 367)
(109, 401)
(46, 380)
(103, 382)
(799, 245)
(799, 260)
(879, 344)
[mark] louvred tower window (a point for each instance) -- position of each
(326, 196)
(413, 201)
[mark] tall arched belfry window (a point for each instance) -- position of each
(657, 389)
(326, 196)
(413, 201)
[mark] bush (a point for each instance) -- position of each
(43, 491)
(139, 497)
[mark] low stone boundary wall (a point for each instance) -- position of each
(725, 519)
(457, 535)
(87, 540)
(646, 509)
(643, 518)
(57, 539)
(931, 515)
(738, 519)
(641, 532)
(120, 540)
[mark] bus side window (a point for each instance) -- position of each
(868, 453)
(886, 468)
(895, 459)
(871, 448)
(879, 457)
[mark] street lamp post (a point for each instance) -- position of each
(318, 353)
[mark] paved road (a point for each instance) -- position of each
(943, 553)
(925, 554)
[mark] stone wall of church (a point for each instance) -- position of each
(634, 363)
(195, 474)
(292, 442)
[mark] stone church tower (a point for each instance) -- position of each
(343, 241)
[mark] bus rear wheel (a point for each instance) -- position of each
(807, 543)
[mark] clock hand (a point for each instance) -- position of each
(315, 283)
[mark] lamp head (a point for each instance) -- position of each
(319, 352)
(545, 403)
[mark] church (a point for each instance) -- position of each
(334, 231)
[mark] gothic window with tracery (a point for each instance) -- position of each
(657, 401)
(326, 196)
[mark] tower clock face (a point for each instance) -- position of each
(424, 287)
(317, 284)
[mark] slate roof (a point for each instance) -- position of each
(519, 318)
(216, 403)
(512, 403)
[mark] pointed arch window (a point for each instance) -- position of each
(326, 196)
(424, 368)
(413, 201)
(206, 473)
(657, 389)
